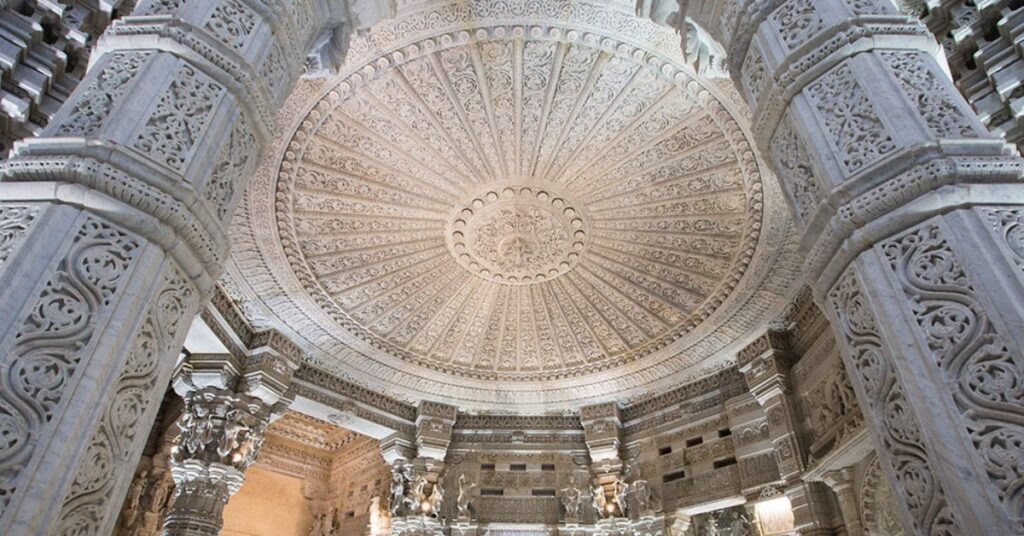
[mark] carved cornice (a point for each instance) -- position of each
(725, 380)
(343, 388)
(227, 322)
(517, 422)
(568, 441)
(345, 404)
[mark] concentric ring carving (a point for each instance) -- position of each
(394, 149)
(659, 215)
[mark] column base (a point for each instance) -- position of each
(652, 525)
(416, 526)
(575, 528)
(465, 527)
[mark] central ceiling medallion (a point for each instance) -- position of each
(518, 234)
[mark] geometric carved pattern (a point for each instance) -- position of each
(1008, 226)
(849, 118)
(930, 96)
(96, 101)
(15, 221)
(794, 167)
(231, 22)
(228, 173)
(796, 21)
(179, 118)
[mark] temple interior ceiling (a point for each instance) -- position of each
(492, 203)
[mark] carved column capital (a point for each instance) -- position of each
(839, 480)
(397, 448)
(201, 371)
(434, 425)
(602, 429)
(765, 364)
(269, 367)
(221, 435)
(219, 426)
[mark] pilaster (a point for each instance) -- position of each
(841, 482)
(765, 367)
(602, 429)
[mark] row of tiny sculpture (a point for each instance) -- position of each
(409, 497)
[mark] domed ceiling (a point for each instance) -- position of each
(513, 204)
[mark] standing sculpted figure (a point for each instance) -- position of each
(319, 527)
(464, 498)
(397, 491)
(418, 496)
(135, 498)
(571, 498)
(160, 495)
(437, 498)
(621, 492)
(740, 525)
(600, 501)
(646, 500)
(235, 432)
(712, 526)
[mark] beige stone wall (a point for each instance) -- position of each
(269, 504)
(358, 478)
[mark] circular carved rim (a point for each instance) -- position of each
(699, 339)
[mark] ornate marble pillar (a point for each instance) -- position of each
(841, 482)
(911, 219)
(765, 366)
(112, 232)
(435, 423)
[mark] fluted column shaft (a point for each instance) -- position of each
(112, 232)
(911, 217)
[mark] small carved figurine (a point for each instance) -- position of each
(571, 498)
(462, 502)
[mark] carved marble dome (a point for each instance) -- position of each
(513, 205)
